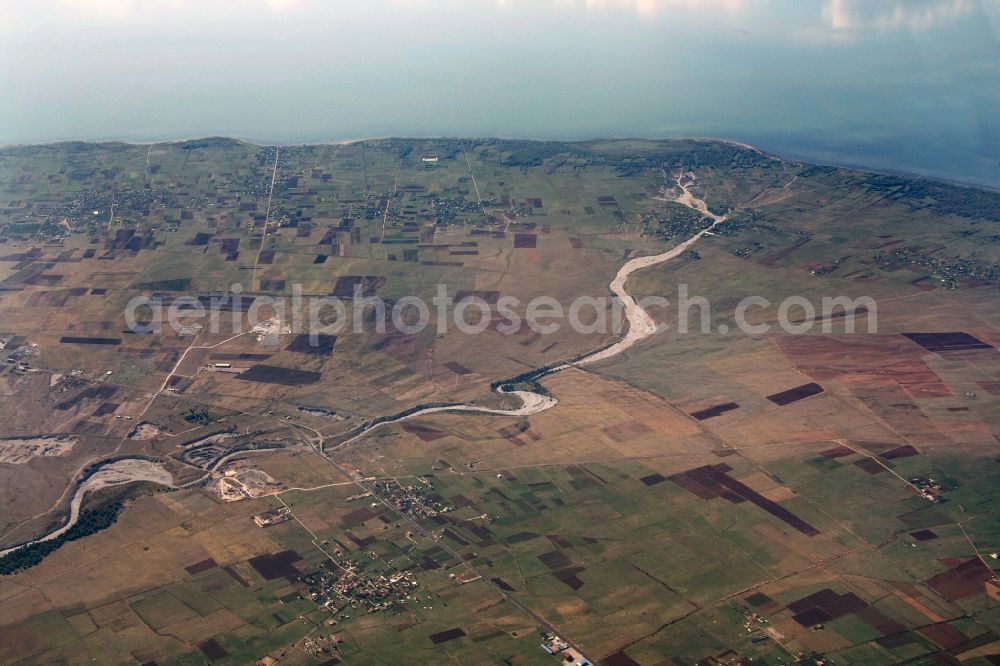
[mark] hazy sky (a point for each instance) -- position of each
(849, 79)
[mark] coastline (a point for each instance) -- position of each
(848, 163)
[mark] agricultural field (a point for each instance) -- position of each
(819, 489)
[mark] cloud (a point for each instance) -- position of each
(116, 9)
(125, 10)
(654, 7)
(891, 15)
(641, 7)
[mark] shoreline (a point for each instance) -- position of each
(847, 163)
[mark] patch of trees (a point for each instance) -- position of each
(364, 425)
(444, 149)
(210, 142)
(956, 200)
(200, 416)
(945, 198)
(93, 518)
(817, 170)
(629, 158)
(533, 153)
(526, 381)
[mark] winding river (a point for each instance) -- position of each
(117, 473)
(639, 327)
